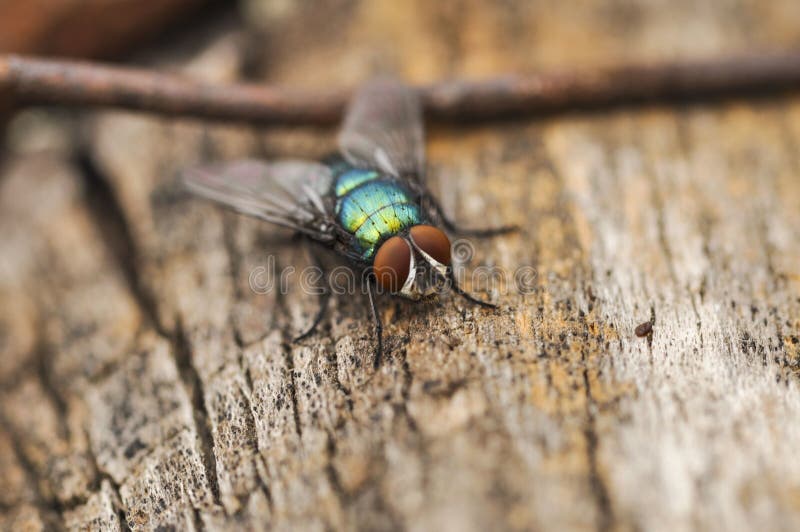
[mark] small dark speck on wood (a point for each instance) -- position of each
(643, 329)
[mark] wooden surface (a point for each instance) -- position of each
(143, 384)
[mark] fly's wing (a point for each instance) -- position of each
(287, 193)
(383, 129)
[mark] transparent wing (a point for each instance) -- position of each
(383, 129)
(287, 193)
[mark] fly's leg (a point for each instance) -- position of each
(451, 226)
(324, 296)
(378, 325)
(479, 233)
(460, 291)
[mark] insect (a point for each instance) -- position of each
(370, 203)
(643, 329)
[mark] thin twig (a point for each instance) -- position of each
(39, 81)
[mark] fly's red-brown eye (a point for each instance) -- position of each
(391, 264)
(432, 241)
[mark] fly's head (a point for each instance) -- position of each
(416, 265)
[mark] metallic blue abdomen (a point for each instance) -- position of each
(372, 207)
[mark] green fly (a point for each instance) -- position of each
(370, 203)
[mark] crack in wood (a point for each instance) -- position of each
(229, 224)
(44, 357)
(405, 392)
(113, 228)
(252, 432)
(35, 476)
(47, 504)
(330, 470)
(288, 354)
(112, 224)
(194, 387)
(99, 476)
(333, 361)
(261, 473)
(599, 488)
(289, 358)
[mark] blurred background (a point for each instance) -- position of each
(297, 41)
(338, 42)
(342, 41)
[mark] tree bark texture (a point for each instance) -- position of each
(144, 384)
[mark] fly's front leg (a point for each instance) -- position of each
(324, 296)
(435, 209)
(469, 297)
(376, 319)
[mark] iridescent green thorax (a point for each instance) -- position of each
(372, 207)
(350, 179)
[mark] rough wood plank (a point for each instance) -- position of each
(145, 383)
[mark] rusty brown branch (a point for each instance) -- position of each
(40, 81)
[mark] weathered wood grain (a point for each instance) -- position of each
(143, 383)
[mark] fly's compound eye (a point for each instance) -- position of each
(392, 264)
(433, 242)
